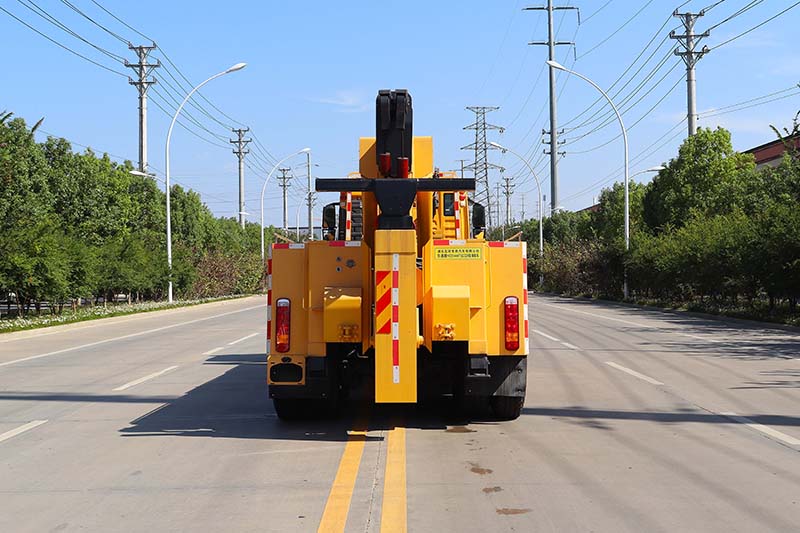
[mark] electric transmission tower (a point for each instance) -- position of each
(480, 167)
(143, 69)
(690, 55)
(284, 184)
(551, 44)
(240, 142)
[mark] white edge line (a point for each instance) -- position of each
(545, 335)
(131, 335)
(237, 341)
(774, 433)
(214, 350)
(146, 378)
(570, 346)
(22, 429)
(637, 324)
(634, 373)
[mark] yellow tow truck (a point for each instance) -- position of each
(403, 297)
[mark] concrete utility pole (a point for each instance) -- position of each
(689, 41)
(522, 208)
(310, 199)
(142, 69)
(480, 168)
(497, 202)
(508, 189)
(284, 184)
(551, 44)
(240, 152)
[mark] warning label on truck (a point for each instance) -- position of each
(459, 252)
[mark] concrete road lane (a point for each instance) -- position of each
(635, 421)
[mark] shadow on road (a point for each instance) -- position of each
(236, 405)
(739, 340)
(655, 416)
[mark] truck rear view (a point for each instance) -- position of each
(403, 298)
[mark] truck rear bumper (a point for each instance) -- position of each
(506, 377)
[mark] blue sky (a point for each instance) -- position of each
(314, 69)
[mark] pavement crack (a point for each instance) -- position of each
(376, 470)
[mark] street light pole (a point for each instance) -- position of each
(538, 188)
(264, 188)
(310, 206)
(559, 66)
(234, 68)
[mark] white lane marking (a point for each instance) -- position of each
(146, 378)
(22, 429)
(570, 346)
(237, 341)
(129, 336)
(214, 350)
(634, 373)
(637, 324)
(545, 335)
(774, 433)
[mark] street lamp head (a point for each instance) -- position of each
(556, 65)
(305, 151)
(656, 169)
(498, 146)
(142, 174)
(237, 66)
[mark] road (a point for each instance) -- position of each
(635, 421)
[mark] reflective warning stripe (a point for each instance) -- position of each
(525, 293)
(345, 243)
(504, 244)
(348, 227)
(395, 318)
(457, 209)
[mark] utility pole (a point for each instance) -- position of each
(551, 44)
(310, 199)
(240, 152)
(462, 161)
(497, 203)
(522, 208)
(142, 69)
(508, 188)
(689, 41)
(284, 184)
(480, 168)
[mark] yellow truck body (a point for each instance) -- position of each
(415, 303)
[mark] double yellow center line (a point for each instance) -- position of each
(394, 509)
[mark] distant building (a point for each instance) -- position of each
(771, 153)
(591, 209)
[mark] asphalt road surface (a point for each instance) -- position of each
(634, 421)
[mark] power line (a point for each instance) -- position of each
(756, 26)
(90, 19)
(744, 9)
(30, 5)
(604, 41)
(65, 47)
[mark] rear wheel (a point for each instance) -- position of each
(507, 407)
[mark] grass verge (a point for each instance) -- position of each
(92, 313)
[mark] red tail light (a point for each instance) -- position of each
(283, 320)
(511, 313)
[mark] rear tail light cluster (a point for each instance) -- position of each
(283, 321)
(511, 314)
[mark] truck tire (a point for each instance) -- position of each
(507, 407)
